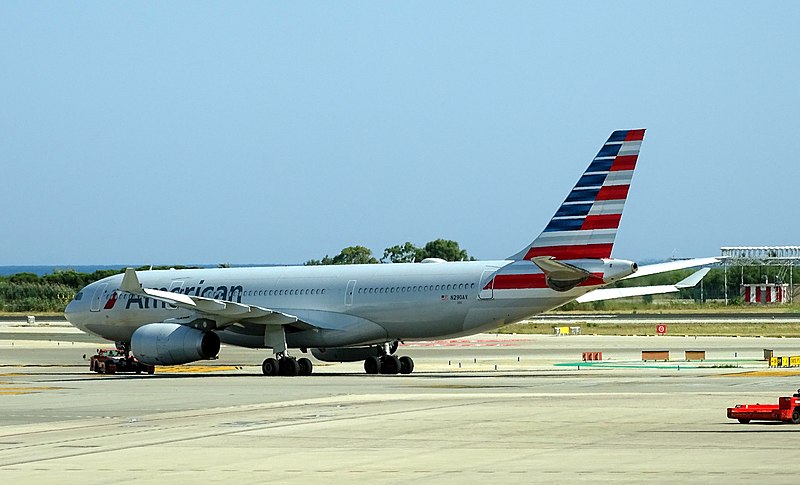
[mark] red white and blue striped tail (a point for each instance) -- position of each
(585, 225)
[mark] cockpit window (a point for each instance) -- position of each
(78, 296)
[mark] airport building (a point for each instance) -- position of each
(766, 293)
(781, 290)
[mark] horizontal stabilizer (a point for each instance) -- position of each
(614, 293)
(694, 278)
(651, 269)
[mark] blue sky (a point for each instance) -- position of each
(277, 132)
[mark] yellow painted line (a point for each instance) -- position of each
(765, 373)
(195, 368)
(33, 388)
(16, 391)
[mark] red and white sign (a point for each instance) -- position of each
(661, 329)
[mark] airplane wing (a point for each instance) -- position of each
(224, 312)
(612, 293)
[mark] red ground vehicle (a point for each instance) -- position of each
(111, 361)
(787, 410)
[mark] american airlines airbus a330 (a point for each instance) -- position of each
(362, 312)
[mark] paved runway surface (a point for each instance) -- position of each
(542, 415)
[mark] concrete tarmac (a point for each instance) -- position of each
(510, 408)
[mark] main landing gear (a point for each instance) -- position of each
(388, 363)
(284, 365)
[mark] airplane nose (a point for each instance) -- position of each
(69, 310)
(73, 312)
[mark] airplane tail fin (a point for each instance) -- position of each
(585, 225)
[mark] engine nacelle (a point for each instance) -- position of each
(172, 344)
(346, 354)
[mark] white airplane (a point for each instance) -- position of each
(361, 312)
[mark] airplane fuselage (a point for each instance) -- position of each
(357, 304)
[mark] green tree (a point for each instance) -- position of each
(318, 262)
(355, 255)
(70, 278)
(24, 278)
(405, 253)
(348, 255)
(445, 249)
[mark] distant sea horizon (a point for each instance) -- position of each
(43, 269)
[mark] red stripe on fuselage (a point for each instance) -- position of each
(532, 281)
(111, 301)
(624, 162)
(634, 135)
(605, 221)
(589, 251)
(613, 192)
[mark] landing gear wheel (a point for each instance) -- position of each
(270, 367)
(372, 365)
(289, 367)
(305, 366)
(796, 416)
(744, 421)
(390, 364)
(406, 365)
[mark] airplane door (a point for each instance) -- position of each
(348, 294)
(487, 284)
(98, 297)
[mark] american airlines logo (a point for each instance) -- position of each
(227, 293)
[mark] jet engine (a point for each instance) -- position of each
(172, 344)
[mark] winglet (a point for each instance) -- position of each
(130, 282)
